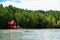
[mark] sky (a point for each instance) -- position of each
(33, 4)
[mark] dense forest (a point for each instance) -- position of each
(29, 18)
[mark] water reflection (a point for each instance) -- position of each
(47, 34)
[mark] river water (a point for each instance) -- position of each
(30, 34)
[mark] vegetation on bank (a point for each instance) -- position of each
(29, 18)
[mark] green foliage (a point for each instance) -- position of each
(29, 18)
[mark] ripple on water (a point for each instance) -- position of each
(46, 34)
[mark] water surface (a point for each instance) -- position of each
(29, 34)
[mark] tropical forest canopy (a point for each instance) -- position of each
(29, 18)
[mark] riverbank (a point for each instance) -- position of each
(32, 29)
